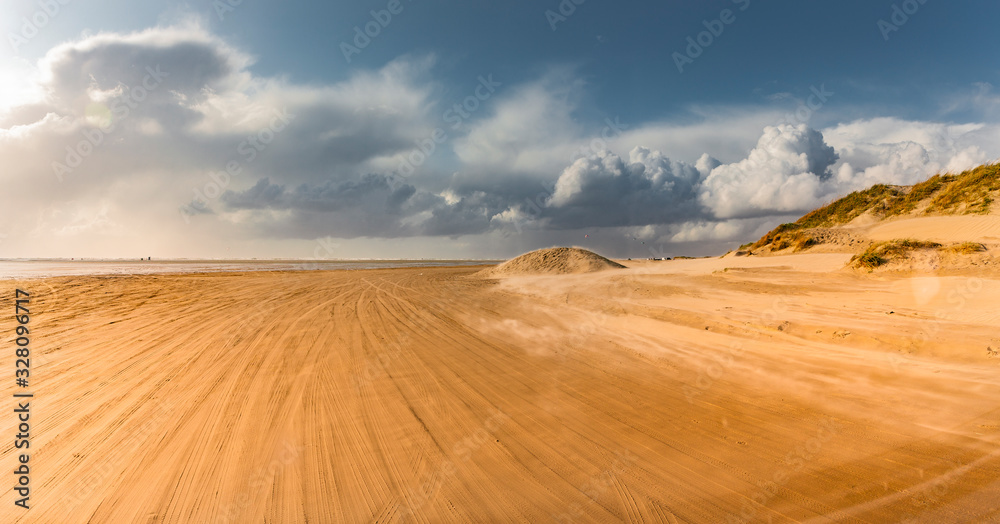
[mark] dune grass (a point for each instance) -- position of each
(882, 253)
(917, 194)
(804, 242)
(965, 248)
(850, 207)
(784, 237)
(972, 191)
(780, 236)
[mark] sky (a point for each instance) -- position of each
(450, 129)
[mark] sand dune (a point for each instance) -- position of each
(957, 228)
(716, 390)
(949, 222)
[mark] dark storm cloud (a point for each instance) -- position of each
(608, 191)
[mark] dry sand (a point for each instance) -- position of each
(778, 389)
(556, 260)
(957, 228)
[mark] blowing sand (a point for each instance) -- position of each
(778, 389)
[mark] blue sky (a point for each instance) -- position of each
(703, 158)
(622, 51)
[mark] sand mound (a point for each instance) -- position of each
(557, 260)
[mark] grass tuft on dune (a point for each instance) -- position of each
(966, 248)
(882, 253)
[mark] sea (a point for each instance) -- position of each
(42, 268)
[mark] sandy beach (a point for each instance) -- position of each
(566, 262)
(777, 389)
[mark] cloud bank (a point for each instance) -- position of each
(165, 140)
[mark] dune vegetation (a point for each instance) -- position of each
(970, 193)
(881, 253)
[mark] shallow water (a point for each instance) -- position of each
(39, 268)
